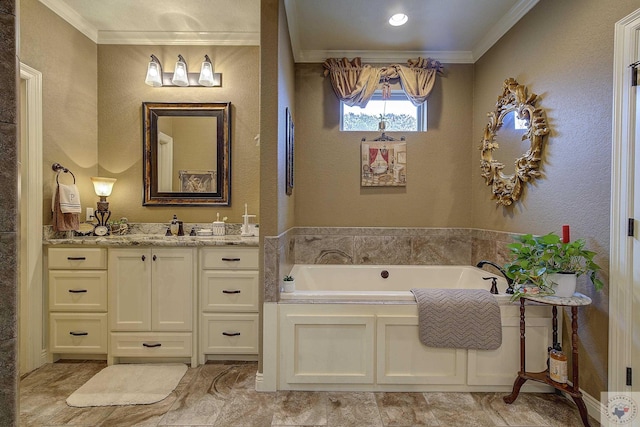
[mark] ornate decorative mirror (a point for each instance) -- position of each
(516, 119)
(187, 150)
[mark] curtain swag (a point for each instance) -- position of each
(354, 83)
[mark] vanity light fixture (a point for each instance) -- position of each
(103, 188)
(398, 19)
(181, 76)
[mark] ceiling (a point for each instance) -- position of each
(451, 31)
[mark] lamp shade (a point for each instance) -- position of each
(206, 72)
(154, 73)
(180, 75)
(103, 186)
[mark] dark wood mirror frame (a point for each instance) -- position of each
(151, 112)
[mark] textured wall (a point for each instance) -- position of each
(68, 62)
(8, 214)
(563, 51)
(120, 123)
(328, 191)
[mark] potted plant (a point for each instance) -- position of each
(545, 265)
(289, 284)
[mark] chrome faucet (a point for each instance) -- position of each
(501, 270)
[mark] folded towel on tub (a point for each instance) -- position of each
(458, 318)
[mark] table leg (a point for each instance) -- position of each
(521, 379)
(577, 395)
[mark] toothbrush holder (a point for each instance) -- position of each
(218, 228)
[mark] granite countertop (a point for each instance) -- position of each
(153, 240)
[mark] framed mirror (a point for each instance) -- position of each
(516, 130)
(187, 154)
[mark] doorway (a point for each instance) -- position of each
(624, 278)
(31, 336)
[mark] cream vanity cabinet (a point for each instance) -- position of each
(151, 300)
(229, 303)
(77, 282)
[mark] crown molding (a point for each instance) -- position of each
(384, 56)
(194, 38)
(151, 37)
(502, 26)
(65, 12)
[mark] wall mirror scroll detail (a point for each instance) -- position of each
(515, 108)
(187, 154)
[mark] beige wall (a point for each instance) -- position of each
(563, 51)
(327, 178)
(68, 63)
(121, 91)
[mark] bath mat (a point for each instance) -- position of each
(128, 384)
(458, 318)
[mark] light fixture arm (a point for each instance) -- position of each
(157, 61)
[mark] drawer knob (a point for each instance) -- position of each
(231, 259)
(231, 334)
(155, 344)
(144, 257)
(76, 258)
(228, 291)
(78, 334)
(77, 291)
(154, 258)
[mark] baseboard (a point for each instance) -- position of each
(594, 406)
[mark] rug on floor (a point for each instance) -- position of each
(128, 384)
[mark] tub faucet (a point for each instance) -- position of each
(501, 270)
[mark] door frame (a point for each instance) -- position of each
(32, 325)
(622, 177)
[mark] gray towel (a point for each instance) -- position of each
(458, 318)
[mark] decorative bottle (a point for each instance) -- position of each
(175, 226)
(558, 366)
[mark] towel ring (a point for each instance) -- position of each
(57, 167)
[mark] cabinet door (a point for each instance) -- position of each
(130, 289)
(172, 289)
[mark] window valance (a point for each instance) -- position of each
(355, 83)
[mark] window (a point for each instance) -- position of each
(399, 114)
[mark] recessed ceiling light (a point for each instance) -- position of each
(398, 19)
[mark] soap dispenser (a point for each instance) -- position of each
(175, 225)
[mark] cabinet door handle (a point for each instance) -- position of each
(76, 258)
(77, 291)
(227, 291)
(231, 259)
(144, 257)
(78, 334)
(231, 334)
(155, 344)
(154, 258)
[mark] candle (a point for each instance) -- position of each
(565, 234)
(245, 209)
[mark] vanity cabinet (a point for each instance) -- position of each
(77, 284)
(229, 303)
(151, 300)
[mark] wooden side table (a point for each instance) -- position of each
(572, 390)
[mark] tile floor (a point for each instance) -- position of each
(222, 394)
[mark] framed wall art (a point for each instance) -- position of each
(383, 164)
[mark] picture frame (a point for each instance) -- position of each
(289, 151)
(197, 181)
(383, 164)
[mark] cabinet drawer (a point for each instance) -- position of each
(77, 258)
(230, 333)
(72, 290)
(229, 258)
(229, 291)
(151, 344)
(78, 333)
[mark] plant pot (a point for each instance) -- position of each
(564, 284)
(288, 285)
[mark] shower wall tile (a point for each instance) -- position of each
(8, 177)
(382, 250)
(8, 67)
(8, 6)
(324, 249)
(8, 382)
(271, 265)
(8, 286)
(441, 250)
